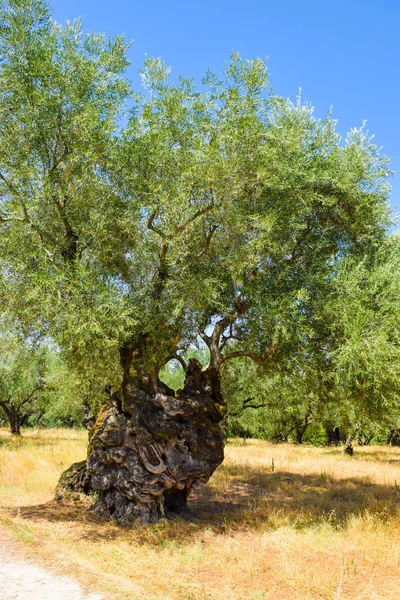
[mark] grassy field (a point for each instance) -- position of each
(318, 526)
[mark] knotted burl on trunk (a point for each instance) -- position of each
(149, 447)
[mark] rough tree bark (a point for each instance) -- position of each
(149, 447)
(15, 415)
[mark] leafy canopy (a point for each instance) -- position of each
(196, 205)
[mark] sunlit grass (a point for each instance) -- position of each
(318, 525)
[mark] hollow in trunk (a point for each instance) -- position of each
(149, 447)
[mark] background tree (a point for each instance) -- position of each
(278, 406)
(38, 389)
(366, 321)
(23, 370)
(64, 396)
(212, 214)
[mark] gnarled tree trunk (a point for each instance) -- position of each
(149, 447)
(15, 417)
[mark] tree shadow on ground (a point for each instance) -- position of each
(297, 500)
(251, 499)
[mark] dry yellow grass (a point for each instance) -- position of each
(321, 526)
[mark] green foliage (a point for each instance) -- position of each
(367, 331)
(274, 407)
(36, 388)
(315, 435)
(349, 375)
(23, 369)
(192, 206)
(62, 398)
(60, 102)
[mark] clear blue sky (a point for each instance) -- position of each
(342, 53)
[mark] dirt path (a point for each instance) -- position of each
(20, 580)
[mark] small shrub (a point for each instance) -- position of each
(315, 435)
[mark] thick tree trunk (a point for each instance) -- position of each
(15, 426)
(333, 436)
(13, 416)
(149, 447)
(300, 431)
(394, 437)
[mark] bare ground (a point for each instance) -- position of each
(21, 580)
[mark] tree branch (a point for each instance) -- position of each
(8, 183)
(31, 396)
(206, 338)
(162, 273)
(242, 306)
(213, 341)
(5, 407)
(261, 360)
(210, 235)
(180, 228)
(225, 338)
(179, 358)
(150, 225)
(72, 237)
(245, 405)
(301, 239)
(199, 213)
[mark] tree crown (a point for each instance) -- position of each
(222, 205)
